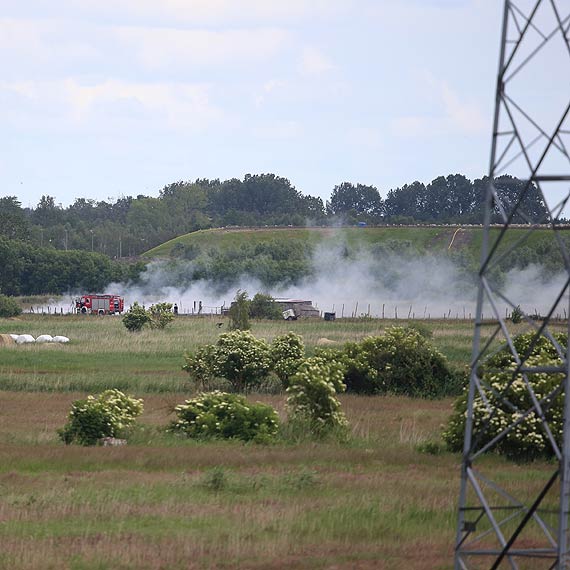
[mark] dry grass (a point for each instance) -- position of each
(375, 502)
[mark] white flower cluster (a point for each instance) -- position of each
(218, 414)
(312, 393)
(526, 438)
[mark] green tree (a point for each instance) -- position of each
(13, 222)
(239, 312)
(160, 315)
(356, 200)
(263, 306)
(136, 318)
(9, 307)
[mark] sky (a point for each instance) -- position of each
(102, 99)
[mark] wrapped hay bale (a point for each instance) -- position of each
(14, 336)
(44, 338)
(60, 339)
(25, 339)
(6, 340)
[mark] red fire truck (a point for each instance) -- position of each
(99, 304)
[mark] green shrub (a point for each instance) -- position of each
(264, 307)
(311, 395)
(201, 366)
(160, 315)
(401, 362)
(239, 312)
(136, 318)
(228, 416)
(527, 441)
(287, 352)
(516, 315)
(237, 356)
(105, 415)
(9, 307)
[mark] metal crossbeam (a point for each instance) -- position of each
(501, 527)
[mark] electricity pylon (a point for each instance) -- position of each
(507, 521)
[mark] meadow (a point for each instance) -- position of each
(374, 501)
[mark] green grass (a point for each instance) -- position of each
(163, 501)
(103, 354)
(423, 239)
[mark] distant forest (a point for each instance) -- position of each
(89, 244)
(131, 225)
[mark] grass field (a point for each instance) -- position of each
(104, 354)
(166, 503)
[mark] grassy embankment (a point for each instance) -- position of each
(422, 239)
(374, 502)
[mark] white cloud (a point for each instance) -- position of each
(216, 12)
(158, 48)
(112, 103)
(464, 114)
(269, 87)
(452, 113)
(314, 62)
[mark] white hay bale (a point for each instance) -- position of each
(44, 338)
(61, 339)
(14, 336)
(25, 339)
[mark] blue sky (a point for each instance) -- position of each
(101, 99)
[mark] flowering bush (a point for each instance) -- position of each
(228, 416)
(527, 440)
(237, 356)
(402, 361)
(105, 415)
(312, 395)
(287, 352)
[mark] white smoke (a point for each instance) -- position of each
(386, 285)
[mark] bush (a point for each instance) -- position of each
(400, 362)
(105, 415)
(312, 393)
(237, 356)
(160, 315)
(264, 307)
(136, 318)
(516, 315)
(9, 307)
(228, 416)
(287, 352)
(239, 312)
(527, 441)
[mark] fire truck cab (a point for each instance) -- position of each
(99, 304)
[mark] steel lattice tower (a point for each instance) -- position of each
(522, 522)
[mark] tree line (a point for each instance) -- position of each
(130, 225)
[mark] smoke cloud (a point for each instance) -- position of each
(376, 284)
